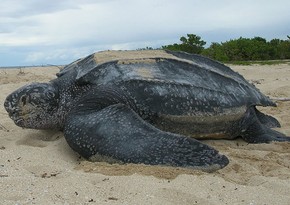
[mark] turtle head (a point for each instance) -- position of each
(34, 106)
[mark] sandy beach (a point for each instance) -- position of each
(38, 167)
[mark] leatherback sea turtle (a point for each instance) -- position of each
(146, 107)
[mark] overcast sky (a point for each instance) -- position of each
(40, 32)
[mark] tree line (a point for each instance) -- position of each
(241, 49)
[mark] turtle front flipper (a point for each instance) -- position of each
(117, 132)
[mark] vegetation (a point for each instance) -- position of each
(191, 44)
(236, 50)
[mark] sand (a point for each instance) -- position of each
(38, 167)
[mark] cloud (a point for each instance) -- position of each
(18, 8)
(59, 31)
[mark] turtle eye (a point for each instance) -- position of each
(23, 100)
(50, 94)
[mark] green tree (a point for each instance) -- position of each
(190, 44)
(240, 49)
(215, 51)
(280, 49)
(283, 49)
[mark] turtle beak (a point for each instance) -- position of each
(9, 104)
(11, 107)
(15, 102)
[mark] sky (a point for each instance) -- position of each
(57, 32)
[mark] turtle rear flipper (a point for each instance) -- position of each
(267, 120)
(118, 132)
(258, 133)
(258, 130)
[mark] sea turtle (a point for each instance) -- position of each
(146, 107)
